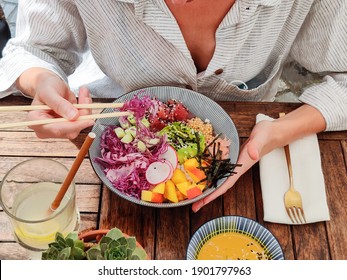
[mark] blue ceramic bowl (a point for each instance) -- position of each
(237, 224)
(199, 105)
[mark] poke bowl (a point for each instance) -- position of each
(153, 158)
(233, 238)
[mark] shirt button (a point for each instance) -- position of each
(218, 71)
(189, 87)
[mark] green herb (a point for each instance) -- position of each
(185, 140)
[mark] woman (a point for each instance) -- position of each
(207, 46)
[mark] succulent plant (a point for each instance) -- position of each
(113, 246)
(68, 248)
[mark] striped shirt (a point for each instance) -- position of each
(138, 43)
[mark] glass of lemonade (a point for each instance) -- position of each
(26, 193)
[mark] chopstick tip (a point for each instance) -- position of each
(92, 135)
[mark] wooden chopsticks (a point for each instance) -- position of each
(58, 120)
(45, 107)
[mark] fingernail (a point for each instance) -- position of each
(197, 208)
(71, 114)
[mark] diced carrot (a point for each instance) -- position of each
(193, 192)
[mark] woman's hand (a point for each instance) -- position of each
(259, 143)
(267, 136)
(48, 89)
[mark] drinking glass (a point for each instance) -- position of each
(26, 193)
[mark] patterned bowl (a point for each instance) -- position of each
(239, 227)
(198, 104)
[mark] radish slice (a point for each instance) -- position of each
(158, 172)
(171, 156)
(171, 167)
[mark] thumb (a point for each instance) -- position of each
(252, 150)
(219, 191)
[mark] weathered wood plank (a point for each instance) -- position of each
(210, 211)
(310, 242)
(16, 143)
(20, 116)
(284, 236)
(11, 117)
(12, 100)
(13, 251)
(172, 233)
(88, 198)
(335, 175)
(5, 228)
(344, 149)
(84, 175)
(132, 219)
(88, 220)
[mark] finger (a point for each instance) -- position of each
(61, 106)
(221, 190)
(252, 150)
(84, 92)
(71, 97)
(68, 130)
(84, 98)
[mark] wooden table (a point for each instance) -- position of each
(165, 233)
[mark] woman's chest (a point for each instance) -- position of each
(198, 22)
(144, 45)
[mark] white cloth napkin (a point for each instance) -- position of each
(307, 176)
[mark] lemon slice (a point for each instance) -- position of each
(37, 235)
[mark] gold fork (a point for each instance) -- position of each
(292, 198)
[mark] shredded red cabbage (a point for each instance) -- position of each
(139, 106)
(124, 165)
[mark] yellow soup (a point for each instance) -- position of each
(232, 246)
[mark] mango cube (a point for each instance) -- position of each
(170, 191)
(180, 195)
(178, 176)
(160, 188)
(191, 166)
(157, 197)
(146, 195)
(201, 185)
(183, 187)
(193, 192)
(151, 196)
